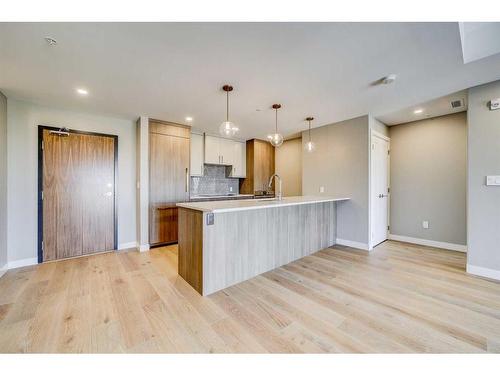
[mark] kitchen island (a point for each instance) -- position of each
(222, 243)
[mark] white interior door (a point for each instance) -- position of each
(379, 189)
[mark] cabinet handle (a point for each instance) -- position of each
(187, 180)
(222, 159)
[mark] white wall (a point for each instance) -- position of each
(142, 165)
(288, 164)
(428, 179)
(483, 202)
(23, 119)
(3, 184)
(340, 164)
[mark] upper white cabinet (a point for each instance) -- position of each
(224, 151)
(239, 159)
(197, 154)
(212, 153)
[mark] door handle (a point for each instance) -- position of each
(383, 195)
(187, 180)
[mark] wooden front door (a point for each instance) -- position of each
(77, 194)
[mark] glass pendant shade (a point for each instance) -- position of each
(309, 146)
(275, 139)
(227, 128)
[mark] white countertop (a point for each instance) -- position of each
(253, 204)
(207, 196)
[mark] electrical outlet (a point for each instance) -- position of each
(230, 189)
(321, 189)
(425, 224)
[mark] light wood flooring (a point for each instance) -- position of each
(399, 298)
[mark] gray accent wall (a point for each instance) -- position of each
(341, 165)
(3, 183)
(288, 164)
(483, 202)
(428, 179)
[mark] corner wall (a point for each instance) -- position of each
(428, 181)
(22, 122)
(340, 164)
(483, 202)
(3, 184)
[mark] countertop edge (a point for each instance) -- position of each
(284, 204)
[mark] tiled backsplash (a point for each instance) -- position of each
(214, 181)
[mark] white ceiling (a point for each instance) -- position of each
(432, 108)
(479, 40)
(170, 71)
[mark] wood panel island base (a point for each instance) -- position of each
(226, 242)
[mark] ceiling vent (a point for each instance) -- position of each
(459, 103)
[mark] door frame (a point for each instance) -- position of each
(374, 133)
(41, 128)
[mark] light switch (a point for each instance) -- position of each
(425, 224)
(492, 180)
(321, 189)
(210, 219)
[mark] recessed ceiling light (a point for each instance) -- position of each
(417, 111)
(50, 41)
(189, 119)
(82, 91)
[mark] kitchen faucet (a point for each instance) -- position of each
(279, 196)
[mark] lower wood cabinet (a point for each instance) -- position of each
(163, 224)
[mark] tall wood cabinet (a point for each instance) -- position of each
(169, 146)
(259, 166)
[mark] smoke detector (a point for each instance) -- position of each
(389, 79)
(50, 41)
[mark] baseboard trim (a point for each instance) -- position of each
(421, 241)
(354, 244)
(483, 272)
(144, 247)
(22, 263)
(4, 269)
(127, 245)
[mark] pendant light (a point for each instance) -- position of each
(276, 139)
(227, 128)
(309, 146)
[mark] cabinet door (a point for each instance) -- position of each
(239, 160)
(168, 184)
(212, 153)
(197, 154)
(263, 165)
(226, 151)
